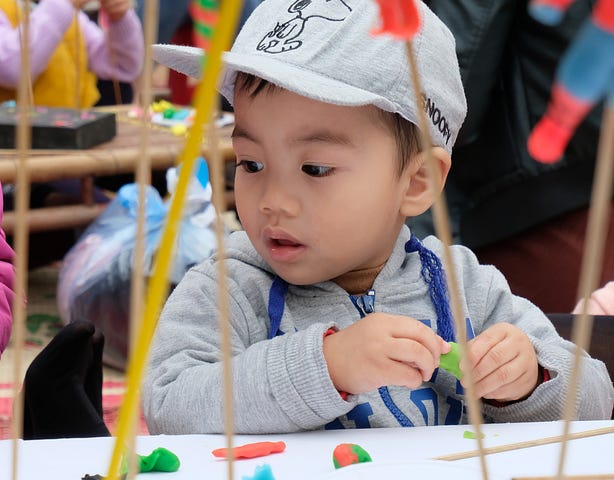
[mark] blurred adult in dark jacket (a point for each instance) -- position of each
(526, 218)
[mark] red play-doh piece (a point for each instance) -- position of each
(400, 18)
(251, 450)
(343, 455)
(348, 454)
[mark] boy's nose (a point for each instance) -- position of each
(279, 197)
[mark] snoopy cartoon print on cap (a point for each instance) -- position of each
(285, 36)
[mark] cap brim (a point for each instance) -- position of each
(181, 58)
(188, 60)
(298, 80)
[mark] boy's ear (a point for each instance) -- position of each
(418, 196)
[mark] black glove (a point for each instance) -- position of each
(62, 388)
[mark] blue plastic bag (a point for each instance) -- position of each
(94, 281)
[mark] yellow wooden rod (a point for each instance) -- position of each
(158, 284)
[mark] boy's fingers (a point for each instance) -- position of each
(445, 346)
(494, 359)
(483, 344)
(418, 332)
(414, 355)
(499, 382)
(518, 388)
(402, 374)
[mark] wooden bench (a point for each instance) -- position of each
(111, 158)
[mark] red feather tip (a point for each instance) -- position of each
(400, 18)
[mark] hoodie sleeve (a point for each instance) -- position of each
(279, 385)
(7, 276)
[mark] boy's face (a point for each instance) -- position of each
(317, 185)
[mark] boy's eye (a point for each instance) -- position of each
(317, 170)
(250, 166)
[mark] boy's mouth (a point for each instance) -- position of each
(284, 242)
(282, 247)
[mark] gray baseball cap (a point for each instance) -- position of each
(324, 50)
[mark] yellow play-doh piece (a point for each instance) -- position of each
(160, 106)
(179, 129)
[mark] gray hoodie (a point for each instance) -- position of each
(281, 381)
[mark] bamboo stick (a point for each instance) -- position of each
(21, 236)
(77, 60)
(571, 477)
(442, 229)
(526, 444)
(592, 259)
(218, 186)
(142, 174)
(52, 218)
(45, 165)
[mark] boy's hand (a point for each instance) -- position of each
(115, 9)
(382, 349)
(503, 362)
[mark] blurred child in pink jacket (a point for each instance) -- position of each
(601, 301)
(7, 275)
(66, 54)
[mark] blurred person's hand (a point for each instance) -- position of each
(115, 9)
(78, 4)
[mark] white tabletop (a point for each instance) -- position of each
(398, 453)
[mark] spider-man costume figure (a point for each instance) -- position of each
(585, 75)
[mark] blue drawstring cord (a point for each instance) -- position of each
(433, 274)
(277, 301)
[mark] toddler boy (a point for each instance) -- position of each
(339, 315)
